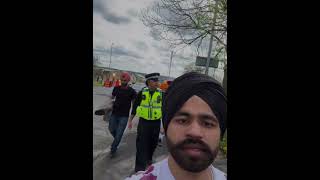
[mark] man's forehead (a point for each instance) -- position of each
(195, 114)
(154, 79)
(194, 102)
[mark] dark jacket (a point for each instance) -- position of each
(123, 99)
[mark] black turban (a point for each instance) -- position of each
(189, 84)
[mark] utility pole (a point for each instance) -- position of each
(211, 38)
(110, 54)
(170, 63)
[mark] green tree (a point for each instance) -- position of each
(189, 22)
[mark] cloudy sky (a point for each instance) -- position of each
(135, 48)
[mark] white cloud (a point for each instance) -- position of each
(117, 21)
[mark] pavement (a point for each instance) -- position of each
(122, 165)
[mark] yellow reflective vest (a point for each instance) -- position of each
(150, 107)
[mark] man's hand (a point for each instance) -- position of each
(162, 130)
(130, 125)
(130, 122)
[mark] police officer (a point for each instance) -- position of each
(147, 106)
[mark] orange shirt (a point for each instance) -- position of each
(118, 83)
(164, 86)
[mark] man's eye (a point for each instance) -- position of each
(181, 121)
(208, 124)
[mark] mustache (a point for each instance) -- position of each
(193, 143)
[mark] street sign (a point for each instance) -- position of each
(202, 61)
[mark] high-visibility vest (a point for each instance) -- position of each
(150, 108)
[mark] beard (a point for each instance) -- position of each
(192, 163)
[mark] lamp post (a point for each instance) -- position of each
(211, 38)
(170, 63)
(110, 54)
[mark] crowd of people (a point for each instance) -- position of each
(112, 83)
(117, 82)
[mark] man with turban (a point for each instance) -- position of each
(194, 119)
(123, 97)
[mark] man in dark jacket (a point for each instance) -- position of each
(123, 97)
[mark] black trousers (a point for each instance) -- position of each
(146, 143)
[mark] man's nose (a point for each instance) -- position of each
(195, 130)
